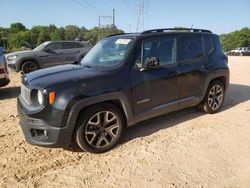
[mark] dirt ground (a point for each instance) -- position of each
(182, 149)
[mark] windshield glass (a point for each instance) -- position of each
(108, 52)
(41, 46)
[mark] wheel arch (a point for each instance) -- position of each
(117, 99)
(29, 59)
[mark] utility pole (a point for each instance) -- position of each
(111, 26)
(141, 12)
(113, 17)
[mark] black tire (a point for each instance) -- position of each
(208, 105)
(29, 66)
(92, 136)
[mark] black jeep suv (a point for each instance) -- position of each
(123, 80)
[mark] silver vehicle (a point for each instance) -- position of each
(48, 54)
(4, 74)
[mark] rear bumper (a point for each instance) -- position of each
(38, 132)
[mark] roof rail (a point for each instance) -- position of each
(176, 29)
(120, 34)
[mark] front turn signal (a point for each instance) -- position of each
(52, 97)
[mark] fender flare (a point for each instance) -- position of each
(83, 103)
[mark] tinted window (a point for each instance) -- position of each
(78, 45)
(191, 47)
(164, 49)
(208, 44)
(218, 45)
(68, 45)
(54, 46)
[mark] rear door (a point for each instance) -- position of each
(194, 64)
(70, 52)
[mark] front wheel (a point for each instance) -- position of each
(99, 128)
(29, 66)
(214, 98)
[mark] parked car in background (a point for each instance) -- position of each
(48, 54)
(4, 74)
(242, 51)
(123, 80)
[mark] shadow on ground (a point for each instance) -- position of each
(9, 92)
(235, 95)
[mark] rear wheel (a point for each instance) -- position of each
(214, 98)
(99, 128)
(29, 66)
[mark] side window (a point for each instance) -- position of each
(217, 45)
(54, 46)
(163, 48)
(68, 45)
(78, 45)
(208, 44)
(190, 47)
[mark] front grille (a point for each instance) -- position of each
(25, 93)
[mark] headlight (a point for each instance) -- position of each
(12, 57)
(40, 97)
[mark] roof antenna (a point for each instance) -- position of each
(191, 26)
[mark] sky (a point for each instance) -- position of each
(219, 16)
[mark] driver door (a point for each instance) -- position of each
(51, 55)
(156, 90)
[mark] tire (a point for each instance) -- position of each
(29, 66)
(99, 128)
(214, 98)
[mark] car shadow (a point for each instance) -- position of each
(235, 95)
(9, 92)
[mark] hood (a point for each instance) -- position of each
(61, 74)
(19, 53)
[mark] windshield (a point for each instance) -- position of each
(108, 52)
(41, 46)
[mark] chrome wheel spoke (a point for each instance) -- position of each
(101, 140)
(112, 130)
(91, 135)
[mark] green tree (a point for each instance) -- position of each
(17, 27)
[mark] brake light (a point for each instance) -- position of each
(52, 97)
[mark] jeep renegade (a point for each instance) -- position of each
(123, 80)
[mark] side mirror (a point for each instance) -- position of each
(152, 62)
(47, 50)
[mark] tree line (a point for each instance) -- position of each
(18, 37)
(239, 38)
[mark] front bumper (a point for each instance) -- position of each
(38, 132)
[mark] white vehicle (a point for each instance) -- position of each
(241, 51)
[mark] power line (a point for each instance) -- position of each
(93, 7)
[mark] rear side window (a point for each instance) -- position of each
(208, 44)
(78, 45)
(218, 45)
(190, 47)
(68, 45)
